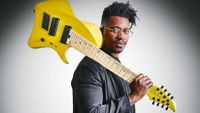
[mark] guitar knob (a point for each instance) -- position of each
(172, 97)
(166, 108)
(162, 87)
(153, 102)
(162, 106)
(42, 39)
(168, 94)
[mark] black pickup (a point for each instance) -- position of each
(65, 34)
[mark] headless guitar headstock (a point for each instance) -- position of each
(160, 98)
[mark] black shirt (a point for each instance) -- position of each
(98, 90)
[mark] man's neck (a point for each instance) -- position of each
(114, 55)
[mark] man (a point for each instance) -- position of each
(96, 89)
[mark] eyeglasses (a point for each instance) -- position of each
(118, 30)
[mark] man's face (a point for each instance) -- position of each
(112, 41)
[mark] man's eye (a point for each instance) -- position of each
(116, 30)
(126, 31)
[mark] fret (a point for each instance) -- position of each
(108, 60)
(77, 42)
(86, 47)
(93, 50)
(103, 57)
(94, 53)
(81, 45)
(131, 76)
(123, 71)
(110, 63)
(118, 69)
(71, 39)
(105, 60)
(115, 65)
(100, 55)
(127, 75)
(74, 40)
(90, 50)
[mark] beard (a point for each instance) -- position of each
(118, 46)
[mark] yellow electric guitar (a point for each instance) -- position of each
(56, 26)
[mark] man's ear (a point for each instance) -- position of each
(101, 28)
(102, 31)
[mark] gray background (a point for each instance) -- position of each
(165, 46)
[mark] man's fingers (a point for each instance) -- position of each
(149, 84)
(145, 81)
(139, 77)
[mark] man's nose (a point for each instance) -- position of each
(121, 35)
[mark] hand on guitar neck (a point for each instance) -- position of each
(140, 85)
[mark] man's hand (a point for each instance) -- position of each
(139, 87)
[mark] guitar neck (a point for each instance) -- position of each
(100, 56)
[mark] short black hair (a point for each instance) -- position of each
(119, 9)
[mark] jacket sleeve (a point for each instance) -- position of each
(89, 94)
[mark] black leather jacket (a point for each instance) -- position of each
(97, 90)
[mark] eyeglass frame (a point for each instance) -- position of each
(118, 30)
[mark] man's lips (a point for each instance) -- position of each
(120, 43)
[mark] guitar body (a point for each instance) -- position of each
(60, 9)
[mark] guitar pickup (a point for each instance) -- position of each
(45, 21)
(65, 34)
(54, 25)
